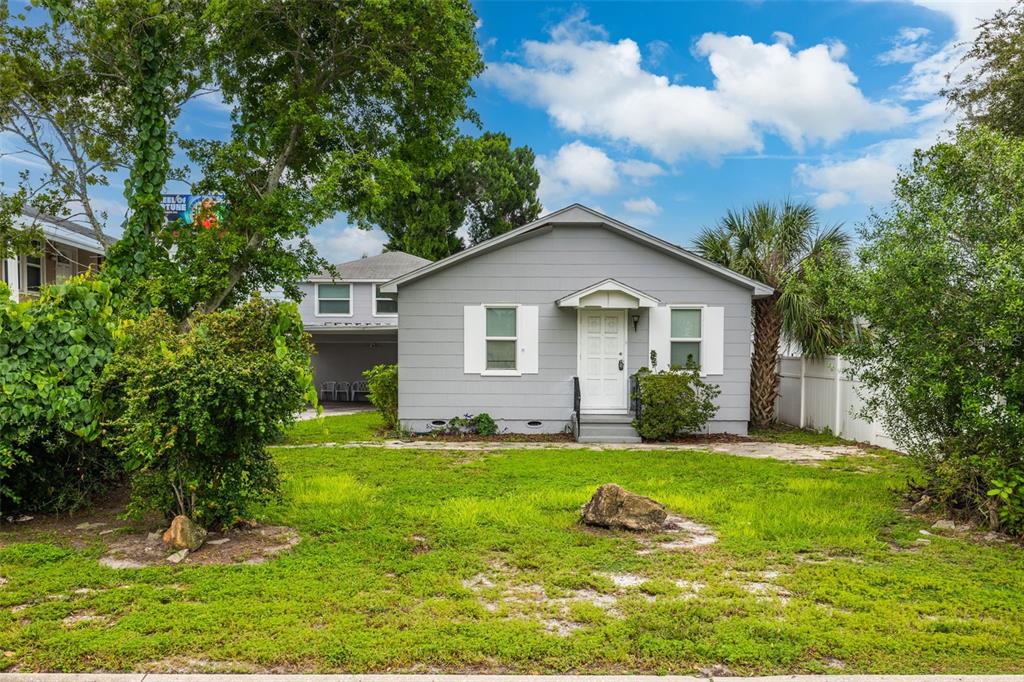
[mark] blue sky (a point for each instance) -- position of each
(667, 114)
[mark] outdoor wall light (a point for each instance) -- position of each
(636, 321)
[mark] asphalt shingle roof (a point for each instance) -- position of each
(387, 265)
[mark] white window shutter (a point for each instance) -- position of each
(529, 337)
(473, 339)
(659, 335)
(713, 332)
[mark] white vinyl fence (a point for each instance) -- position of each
(816, 394)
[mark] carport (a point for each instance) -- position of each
(343, 353)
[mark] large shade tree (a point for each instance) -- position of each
(775, 245)
(940, 278)
(317, 120)
(482, 185)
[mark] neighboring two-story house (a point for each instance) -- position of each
(68, 249)
(354, 326)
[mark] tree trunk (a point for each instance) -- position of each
(764, 376)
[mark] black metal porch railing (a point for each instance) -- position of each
(576, 396)
(634, 394)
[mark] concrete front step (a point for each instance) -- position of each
(619, 418)
(609, 439)
(608, 428)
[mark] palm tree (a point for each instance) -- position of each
(773, 244)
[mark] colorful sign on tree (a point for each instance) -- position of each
(203, 210)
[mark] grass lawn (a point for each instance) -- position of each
(781, 433)
(433, 561)
(361, 426)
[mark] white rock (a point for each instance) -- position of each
(89, 526)
(178, 556)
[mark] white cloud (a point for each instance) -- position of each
(349, 243)
(928, 76)
(576, 168)
(832, 199)
(803, 96)
(867, 178)
(784, 38)
(640, 170)
(591, 86)
(644, 205)
(836, 49)
(575, 28)
(657, 50)
(908, 46)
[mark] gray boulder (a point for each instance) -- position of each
(184, 533)
(614, 507)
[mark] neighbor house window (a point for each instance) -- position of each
(33, 273)
(501, 338)
(686, 337)
(333, 299)
(384, 304)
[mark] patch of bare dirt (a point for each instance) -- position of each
(252, 545)
(679, 534)
(138, 544)
(710, 438)
(764, 587)
(88, 617)
(189, 664)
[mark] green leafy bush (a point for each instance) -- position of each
(672, 402)
(193, 410)
(469, 425)
(941, 286)
(52, 352)
(382, 382)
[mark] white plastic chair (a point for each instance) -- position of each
(359, 387)
(342, 388)
(329, 391)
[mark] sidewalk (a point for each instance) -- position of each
(147, 677)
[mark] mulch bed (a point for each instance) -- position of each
(137, 543)
(499, 438)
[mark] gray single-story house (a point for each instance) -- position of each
(512, 327)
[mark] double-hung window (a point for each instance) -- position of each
(33, 273)
(384, 304)
(333, 299)
(501, 338)
(686, 337)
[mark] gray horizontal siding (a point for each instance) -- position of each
(362, 306)
(538, 271)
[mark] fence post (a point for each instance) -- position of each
(839, 396)
(803, 391)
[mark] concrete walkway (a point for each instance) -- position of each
(200, 677)
(784, 452)
(333, 410)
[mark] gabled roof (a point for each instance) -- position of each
(387, 265)
(578, 214)
(57, 228)
(575, 299)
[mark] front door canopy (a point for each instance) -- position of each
(608, 294)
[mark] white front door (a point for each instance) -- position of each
(602, 360)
